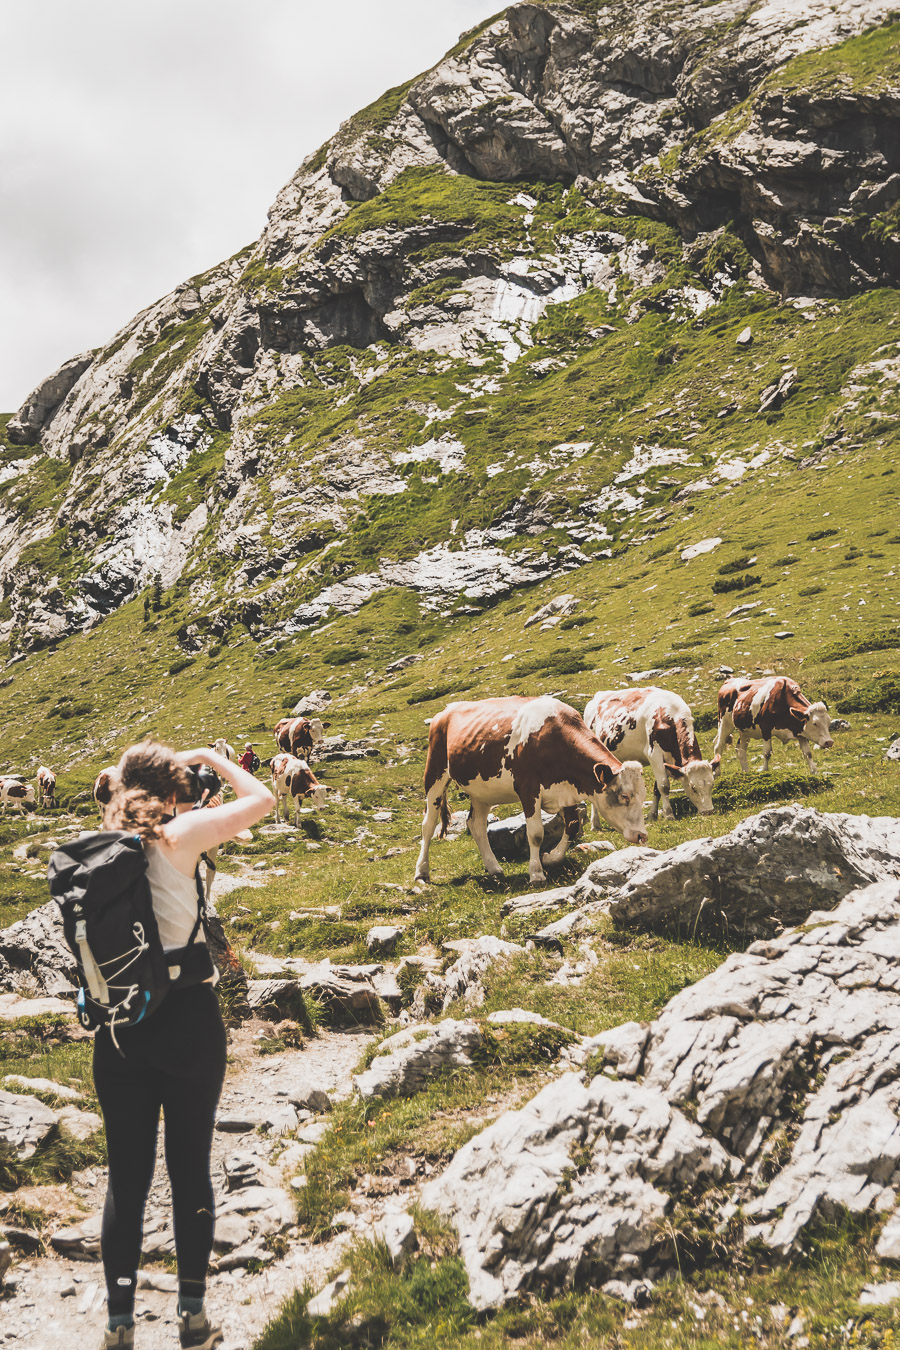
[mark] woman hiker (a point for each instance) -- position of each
(175, 1059)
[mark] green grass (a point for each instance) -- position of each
(731, 1299)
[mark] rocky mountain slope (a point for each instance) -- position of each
(597, 261)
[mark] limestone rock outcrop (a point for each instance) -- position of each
(773, 1084)
(762, 875)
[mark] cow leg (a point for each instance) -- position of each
(767, 754)
(723, 735)
(478, 816)
(534, 828)
(277, 801)
(743, 741)
(430, 822)
(660, 785)
(806, 752)
(571, 830)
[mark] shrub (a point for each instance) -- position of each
(741, 583)
(736, 565)
(880, 695)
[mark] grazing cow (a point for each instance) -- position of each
(764, 708)
(15, 792)
(299, 735)
(222, 748)
(46, 786)
(655, 727)
(537, 751)
(104, 785)
(292, 777)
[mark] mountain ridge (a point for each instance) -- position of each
(445, 224)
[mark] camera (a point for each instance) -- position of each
(204, 783)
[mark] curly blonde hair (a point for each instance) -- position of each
(147, 777)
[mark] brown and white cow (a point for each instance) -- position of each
(537, 751)
(293, 778)
(104, 786)
(655, 727)
(46, 786)
(222, 748)
(15, 792)
(299, 735)
(761, 709)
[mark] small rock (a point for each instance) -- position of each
(25, 1122)
(877, 1295)
(414, 1056)
(79, 1240)
(238, 1124)
(398, 1233)
(325, 1301)
(839, 724)
(66, 1094)
(80, 1125)
(313, 1099)
(888, 1247)
(785, 634)
(382, 941)
(382, 817)
(163, 1281)
(275, 1000)
(745, 337)
(893, 751)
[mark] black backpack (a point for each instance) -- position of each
(100, 883)
(255, 763)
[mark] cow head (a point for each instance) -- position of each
(302, 782)
(620, 799)
(817, 724)
(697, 777)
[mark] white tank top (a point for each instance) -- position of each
(174, 900)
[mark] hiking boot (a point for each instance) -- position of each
(196, 1332)
(120, 1339)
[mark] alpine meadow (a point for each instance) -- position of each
(571, 365)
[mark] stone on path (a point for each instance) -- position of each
(79, 1125)
(345, 992)
(275, 1000)
(46, 1085)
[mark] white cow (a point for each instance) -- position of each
(655, 727)
(293, 778)
(15, 792)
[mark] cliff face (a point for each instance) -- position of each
(388, 388)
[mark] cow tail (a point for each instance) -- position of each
(445, 815)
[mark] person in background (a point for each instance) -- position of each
(249, 760)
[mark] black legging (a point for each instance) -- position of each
(175, 1060)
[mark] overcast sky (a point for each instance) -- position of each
(141, 141)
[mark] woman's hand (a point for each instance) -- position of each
(198, 756)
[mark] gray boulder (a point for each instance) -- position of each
(776, 1078)
(274, 1000)
(406, 1062)
(770, 870)
(893, 751)
(346, 993)
(25, 1122)
(34, 955)
(509, 840)
(463, 979)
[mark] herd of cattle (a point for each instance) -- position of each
(540, 753)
